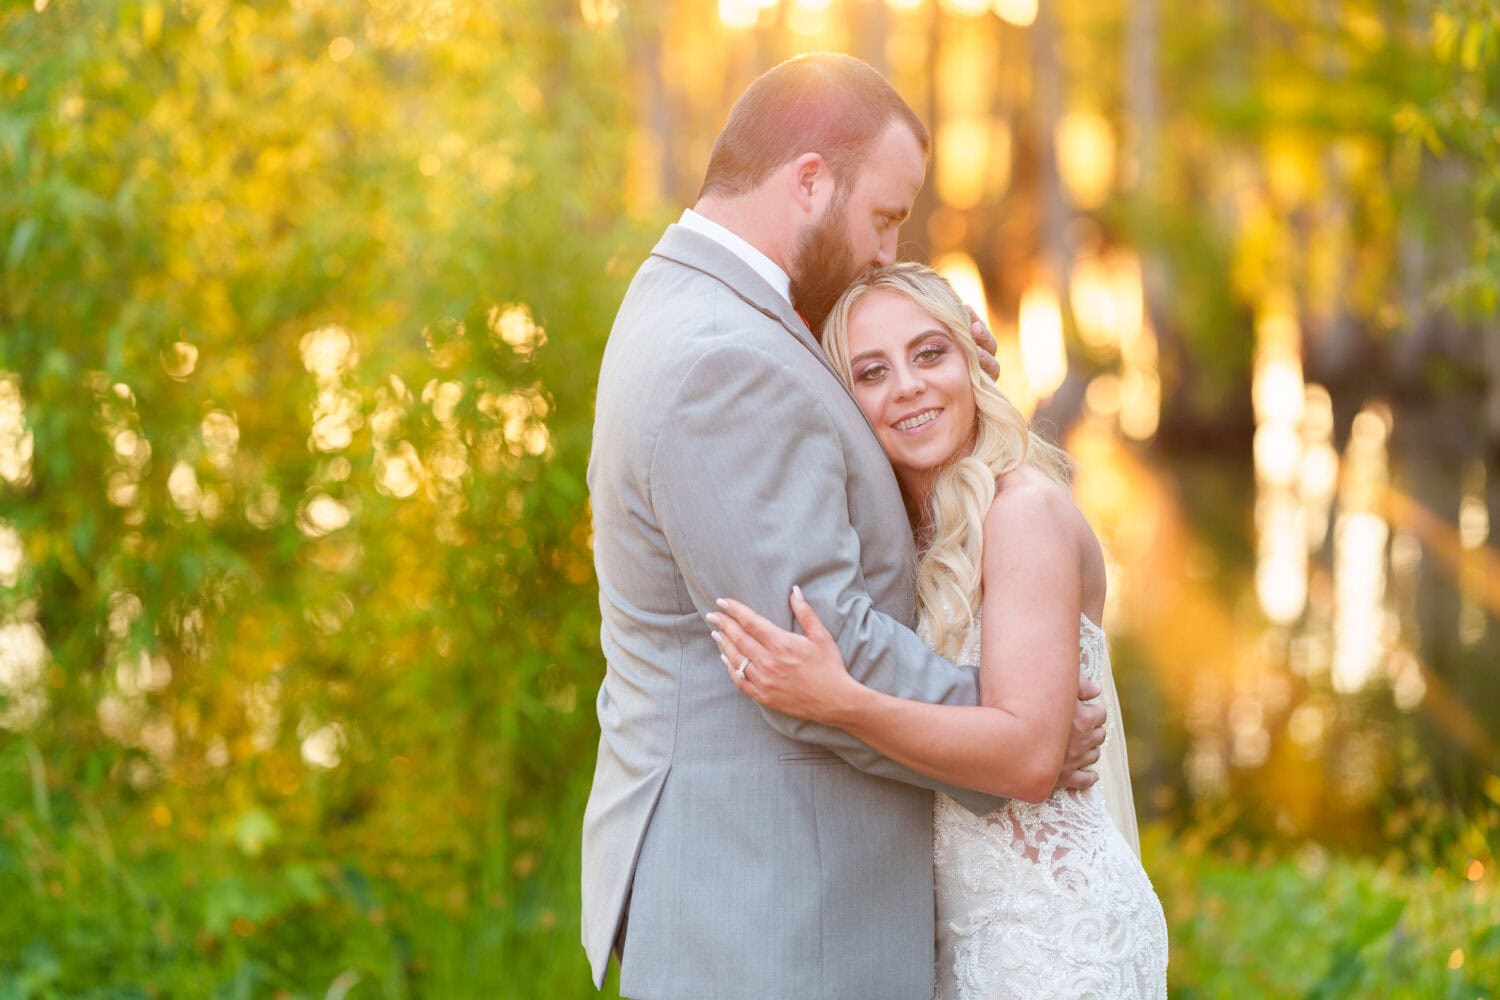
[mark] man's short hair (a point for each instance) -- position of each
(822, 102)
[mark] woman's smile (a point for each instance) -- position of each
(918, 421)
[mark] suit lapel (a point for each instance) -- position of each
(694, 250)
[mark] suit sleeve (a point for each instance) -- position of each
(749, 485)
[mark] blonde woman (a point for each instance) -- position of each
(1045, 897)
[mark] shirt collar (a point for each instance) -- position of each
(759, 262)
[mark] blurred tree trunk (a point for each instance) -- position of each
(1491, 345)
(869, 31)
(1047, 100)
(654, 104)
(1335, 341)
(1142, 160)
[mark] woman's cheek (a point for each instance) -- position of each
(869, 400)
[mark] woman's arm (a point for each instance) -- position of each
(1017, 742)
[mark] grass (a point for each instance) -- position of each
(92, 913)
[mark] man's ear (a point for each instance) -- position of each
(812, 183)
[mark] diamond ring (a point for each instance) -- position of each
(740, 671)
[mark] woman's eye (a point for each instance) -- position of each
(930, 353)
(870, 374)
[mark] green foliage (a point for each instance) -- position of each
(1343, 157)
(1466, 119)
(1322, 926)
(304, 304)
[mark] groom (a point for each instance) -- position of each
(728, 851)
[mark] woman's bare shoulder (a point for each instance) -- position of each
(1027, 490)
(1034, 518)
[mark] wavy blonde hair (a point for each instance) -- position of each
(950, 533)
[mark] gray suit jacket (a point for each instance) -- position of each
(748, 854)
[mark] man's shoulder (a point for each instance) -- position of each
(673, 315)
(667, 287)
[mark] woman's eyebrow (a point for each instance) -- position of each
(877, 352)
(934, 332)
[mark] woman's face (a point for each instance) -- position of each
(912, 382)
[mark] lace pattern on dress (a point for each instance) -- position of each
(1044, 900)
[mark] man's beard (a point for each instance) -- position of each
(823, 267)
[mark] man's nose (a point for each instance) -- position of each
(886, 255)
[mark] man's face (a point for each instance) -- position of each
(860, 228)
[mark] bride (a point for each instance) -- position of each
(1045, 897)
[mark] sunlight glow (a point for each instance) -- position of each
(444, 398)
(23, 659)
(1277, 390)
(599, 13)
(1044, 356)
(1278, 452)
(12, 556)
(1086, 158)
(322, 515)
(16, 442)
(1473, 512)
(262, 702)
(1091, 295)
(1281, 563)
(1107, 297)
(23, 648)
(323, 746)
(398, 473)
(965, 8)
(335, 416)
(328, 351)
(808, 18)
(182, 486)
(1250, 743)
(1306, 724)
(1021, 13)
(1285, 523)
(963, 274)
(514, 326)
(738, 13)
(179, 360)
(1127, 294)
(1408, 685)
(1102, 397)
(961, 161)
(1140, 402)
(221, 437)
(1360, 536)
(142, 672)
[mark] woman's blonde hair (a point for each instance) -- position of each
(950, 533)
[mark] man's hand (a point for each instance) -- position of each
(985, 341)
(1084, 740)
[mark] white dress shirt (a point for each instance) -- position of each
(762, 265)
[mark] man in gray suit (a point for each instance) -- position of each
(730, 852)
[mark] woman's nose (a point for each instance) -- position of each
(909, 382)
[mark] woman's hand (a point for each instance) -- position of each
(798, 675)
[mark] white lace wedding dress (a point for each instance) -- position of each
(1046, 900)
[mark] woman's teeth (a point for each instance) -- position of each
(921, 418)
